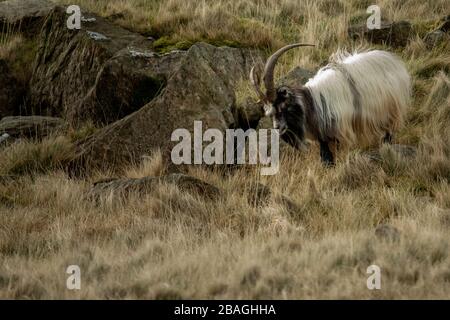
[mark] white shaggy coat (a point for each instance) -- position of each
(359, 97)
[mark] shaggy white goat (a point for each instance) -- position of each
(355, 99)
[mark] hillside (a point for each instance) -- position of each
(308, 232)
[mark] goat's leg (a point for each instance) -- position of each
(325, 154)
(338, 145)
(388, 138)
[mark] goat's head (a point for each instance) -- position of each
(281, 103)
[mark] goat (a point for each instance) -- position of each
(355, 99)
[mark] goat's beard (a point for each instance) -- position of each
(295, 132)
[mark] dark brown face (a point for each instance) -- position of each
(289, 117)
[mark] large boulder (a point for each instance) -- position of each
(202, 88)
(24, 16)
(101, 72)
(136, 78)
(12, 92)
(395, 34)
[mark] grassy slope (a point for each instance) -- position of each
(170, 245)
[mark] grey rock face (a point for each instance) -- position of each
(26, 16)
(201, 88)
(97, 73)
(395, 34)
(30, 127)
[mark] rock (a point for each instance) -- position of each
(136, 76)
(4, 138)
(116, 16)
(101, 72)
(395, 34)
(26, 16)
(249, 114)
(260, 195)
(438, 36)
(435, 38)
(405, 151)
(296, 77)
(124, 187)
(387, 232)
(445, 26)
(30, 127)
(12, 92)
(202, 88)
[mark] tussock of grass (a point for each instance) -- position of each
(19, 54)
(9, 44)
(28, 157)
(153, 166)
(82, 132)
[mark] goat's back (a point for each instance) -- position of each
(360, 96)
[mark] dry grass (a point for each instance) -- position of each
(18, 52)
(170, 244)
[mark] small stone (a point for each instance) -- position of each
(434, 38)
(96, 36)
(84, 19)
(405, 151)
(141, 54)
(260, 195)
(4, 137)
(387, 232)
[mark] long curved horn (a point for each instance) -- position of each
(270, 67)
(255, 80)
